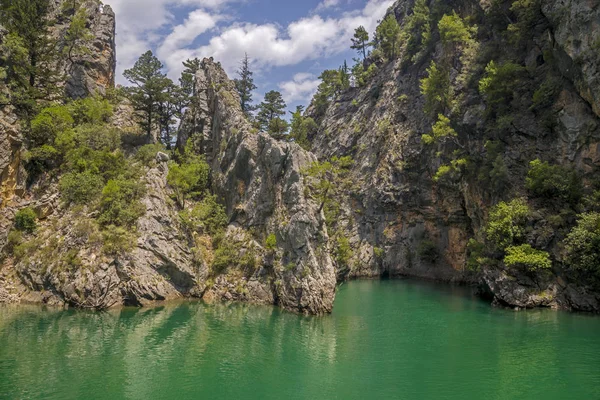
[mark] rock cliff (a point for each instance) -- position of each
(423, 224)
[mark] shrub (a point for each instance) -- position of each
(25, 220)
(506, 224)
(80, 188)
(554, 181)
(189, 178)
(583, 244)
(13, 240)
(98, 137)
(208, 216)
(147, 153)
(91, 110)
(427, 251)
(441, 129)
(498, 85)
(528, 258)
(231, 254)
(454, 31)
(343, 251)
(42, 158)
(271, 242)
(119, 204)
(436, 89)
(544, 97)
(117, 240)
(48, 123)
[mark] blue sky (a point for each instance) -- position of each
(289, 42)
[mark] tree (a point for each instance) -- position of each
(272, 107)
(302, 127)
(245, 85)
(278, 127)
(31, 53)
(188, 77)
(388, 36)
(436, 89)
(150, 83)
(169, 106)
(360, 41)
(77, 36)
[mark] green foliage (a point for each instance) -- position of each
(427, 251)
(80, 188)
(208, 216)
(416, 32)
(436, 89)
(120, 205)
(343, 251)
(442, 129)
(302, 128)
(360, 41)
(454, 31)
(583, 245)
(499, 84)
(527, 258)
(272, 107)
(78, 36)
(476, 255)
(26, 220)
(244, 85)
(527, 13)
(554, 182)
(91, 110)
(271, 242)
(190, 178)
(546, 94)
(147, 153)
(361, 75)
(278, 127)
(232, 253)
(117, 240)
(387, 37)
(493, 172)
(48, 124)
(326, 178)
(506, 223)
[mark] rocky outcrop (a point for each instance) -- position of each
(65, 264)
(260, 182)
(401, 221)
(93, 71)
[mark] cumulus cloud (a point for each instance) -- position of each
(145, 24)
(269, 45)
(300, 89)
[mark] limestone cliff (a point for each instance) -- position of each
(423, 225)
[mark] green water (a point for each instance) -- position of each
(385, 340)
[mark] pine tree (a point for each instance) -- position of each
(31, 53)
(188, 76)
(388, 36)
(168, 110)
(245, 85)
(272, 107)
(77, 37)
(360, 41)
(150, 84)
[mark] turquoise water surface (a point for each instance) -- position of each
(385, 340)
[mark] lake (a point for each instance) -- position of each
(391, 339)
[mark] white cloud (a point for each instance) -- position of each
(269, 45)
(325, 4)
(145, 24)
(301, 88)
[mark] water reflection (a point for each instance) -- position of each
(384, 338)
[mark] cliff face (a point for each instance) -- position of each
(260, 181)
(424, 225)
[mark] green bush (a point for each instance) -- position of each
(554, 181)
(147, 154)
(48, 124)
(80, 188)
(545, 96)
(208, 216)
(188, 179)
(271, 242)
(499, 84)
(506, 223)
(583, 244)
(453, 30)
(343, 251)
(442, 129)
(26, 220)
(117, 240)
(98, 137)
(42, 158)
(436, 89)
(120, 204)
(91, 110)
(231, 254)
(528, 258)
